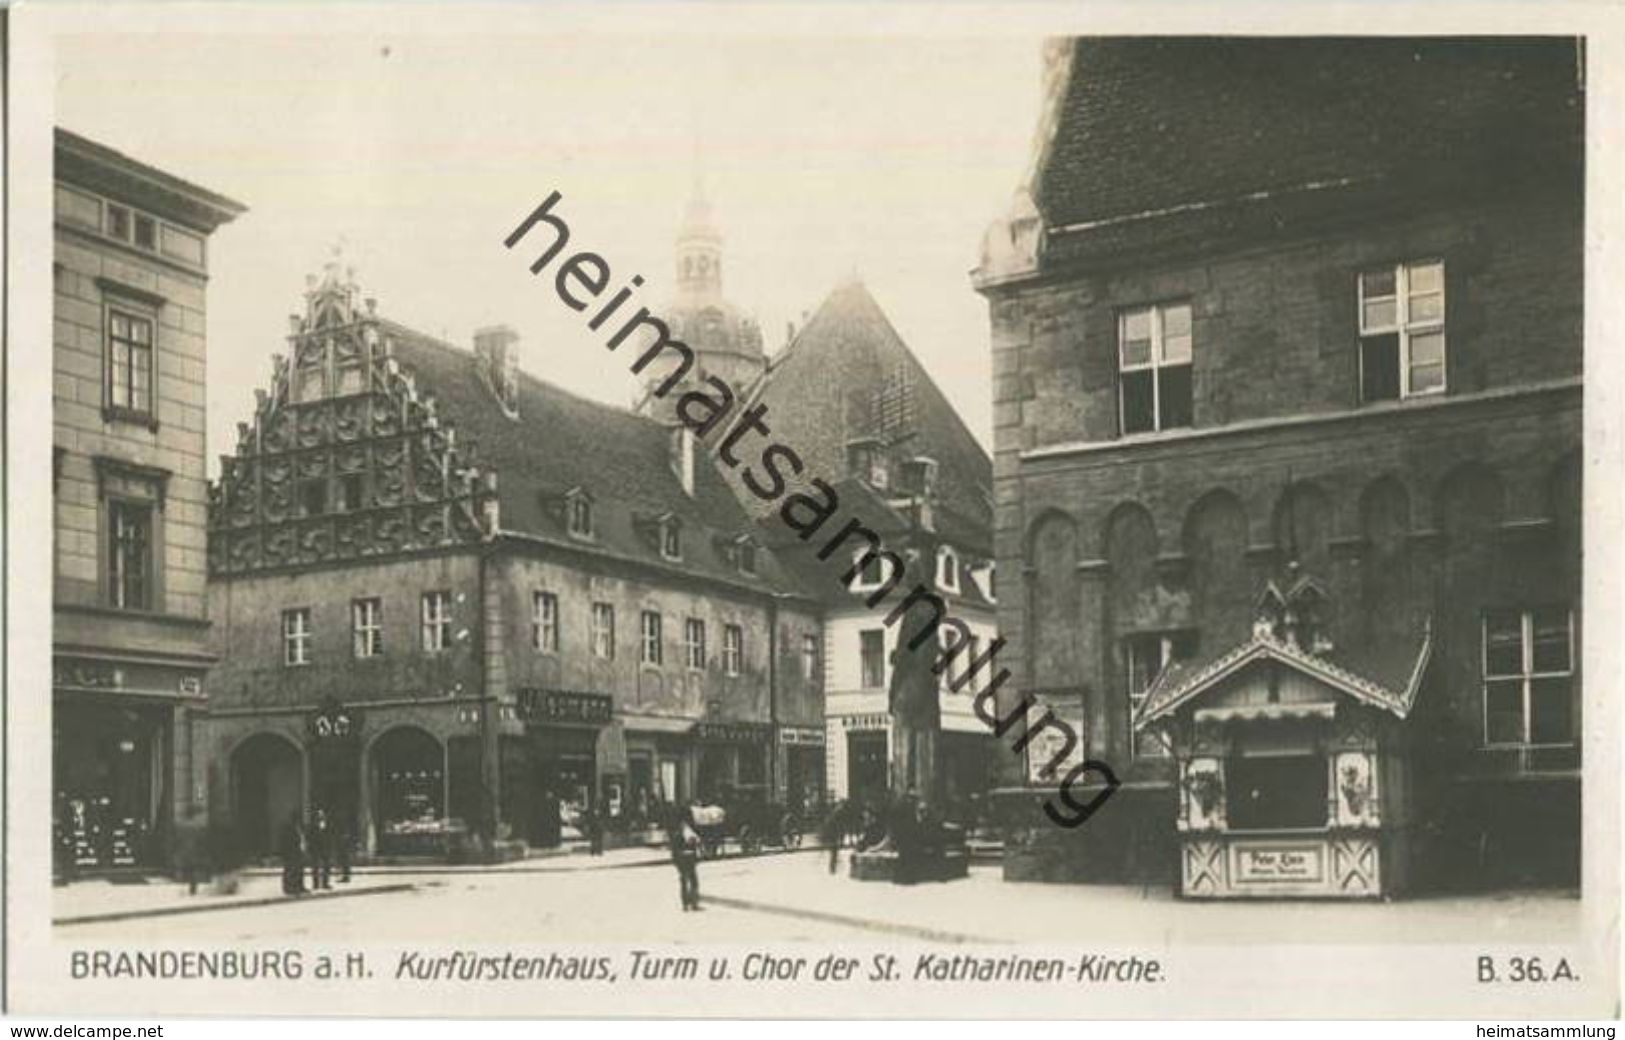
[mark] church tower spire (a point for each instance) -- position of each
(699, 250)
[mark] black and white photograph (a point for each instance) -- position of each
(690, 511)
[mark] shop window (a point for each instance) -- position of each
(733, 649)
(1154, 368)
(130, 555)
(872, 658)
(130, 358)
(1402, 341)
(367, 627)
(653, 652)
(436, 615)
(296, 636)
(1276, 792)
(1145, 655)
(603, 631)
(694, 642)
(1529, 678)
(809, 656)
(544, 622)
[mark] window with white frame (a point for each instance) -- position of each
(809, 656)
(130, 554)
(130, 357)
(694, 642)
(436, 621)
(1154, 368)
(1529, 677)
(367, 626)
(871, 570)
(1145, 655)
(872, 658)
(947, 569)
(603, 631)
(579, 511)
(1402, 343)
(296, 636)
(653, 653)
(544, 622)
(733, 649)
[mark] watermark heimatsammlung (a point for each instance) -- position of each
(580, 280)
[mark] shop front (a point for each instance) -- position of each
(333, 739)
(802, 748)
(732, 761)
(409, 787)
(659, 767)
(1293, 772)
(868, 776)
(112, 752)
(563, 728)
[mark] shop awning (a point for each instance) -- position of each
(1250, 712)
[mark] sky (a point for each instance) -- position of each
(415, 154)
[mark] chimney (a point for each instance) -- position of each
(497, 349)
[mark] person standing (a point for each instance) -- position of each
(343, 837)
(189, 848)
(833, 833)
(685, 854)
(321, 850)
(291, 847)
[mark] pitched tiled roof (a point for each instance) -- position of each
(1385, 676)
(1181, 126)
(560, 442)
(821, 386)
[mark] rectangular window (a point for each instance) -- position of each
(733, 649)
(671, 541)
(603, 631)
(313, 496)
(580, 516)
(1145, 655)
(118, 222)
(146, 232)
(367, 627)
(351, 492)
(436, 621)
(544, 622)
(694, 642)
(1402, 345)
(1154, 368)
(651, 629)
(809, 657)
(1275, 791)
(129, 362)
(1529, 677)
(130, 554)
(872, 658)
(296, 636)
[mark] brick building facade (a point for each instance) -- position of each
(446, 593)
(1287, 361)
(130, 646)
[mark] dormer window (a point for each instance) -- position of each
(947, 569)
(983, 573)
(920, 476)
(671, 539)
(745, 554)
(578, 514)
(867, 462)
(871, 571)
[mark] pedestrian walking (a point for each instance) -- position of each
(321, 850)
(597, 819)
(291, 847)
(832, 832)
(685, 853)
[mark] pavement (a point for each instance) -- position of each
(96, 900)
(776, 897)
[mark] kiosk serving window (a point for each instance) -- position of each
(1276, 792)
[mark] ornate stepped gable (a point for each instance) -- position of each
(346, 457)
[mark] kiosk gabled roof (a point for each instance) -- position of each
(1387, 678)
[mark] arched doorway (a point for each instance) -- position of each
(267, 777)
(408, 788)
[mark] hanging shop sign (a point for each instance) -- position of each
(541, 705)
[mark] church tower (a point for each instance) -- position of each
(726, 343)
